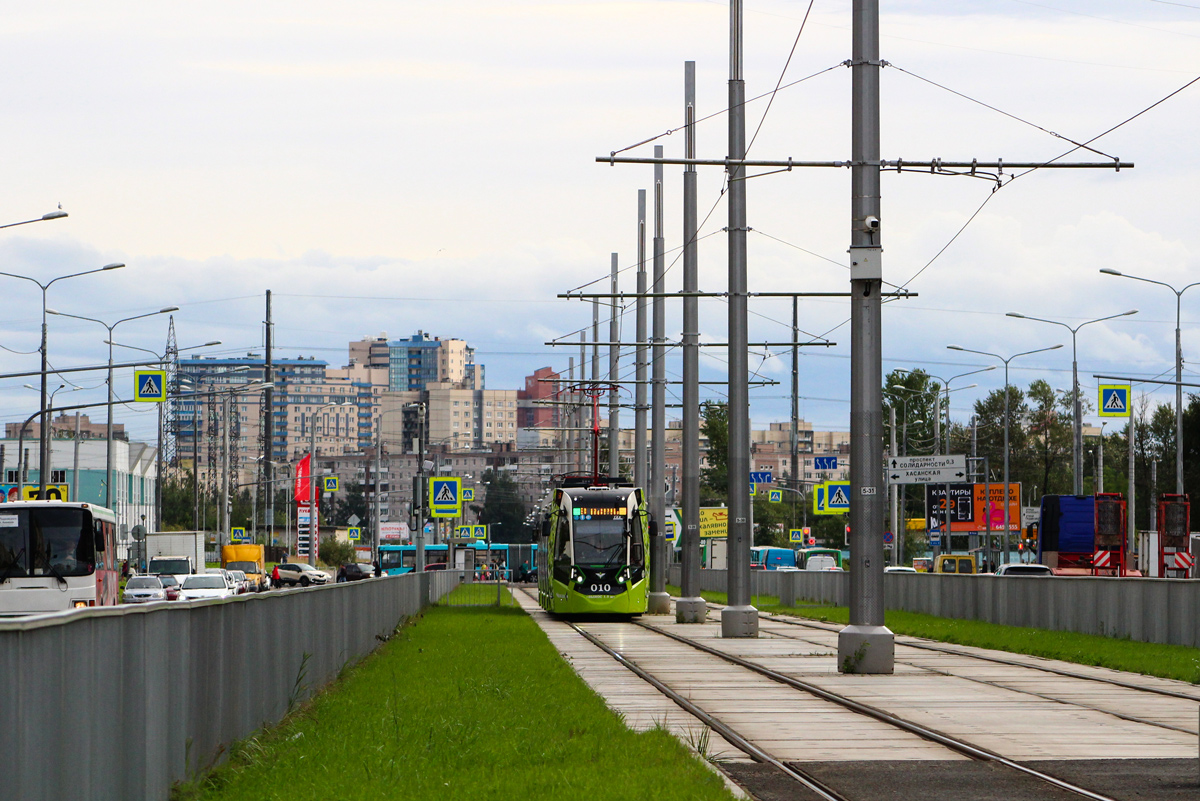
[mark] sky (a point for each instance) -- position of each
(401, 166)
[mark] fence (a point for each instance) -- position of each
(1142, 609)
(119, 703)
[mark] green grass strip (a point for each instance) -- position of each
(466, 703)
(1152, 659)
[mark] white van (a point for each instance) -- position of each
(821, 562)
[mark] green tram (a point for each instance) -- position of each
(594, 551)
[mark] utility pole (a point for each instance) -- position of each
(691, 608)
(866, 645)
(894, 489)
(223, 535)
(659, 602)
(614, 335)
(639, 392)
(739, 618)
(268, 462)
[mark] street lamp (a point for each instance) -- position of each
(313, 531)
(108, 429)
(1007, 522)
(1178, 370)
(419, 490)
(44, 441)
(1077, 444)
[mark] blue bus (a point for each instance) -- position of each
(478, 556)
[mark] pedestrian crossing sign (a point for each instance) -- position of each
(354, 533)
(329, 483)
(1114, 400)
(464, 531)
(775, 496)
(237, 534)
(445, 497)
(796, 535)
(480, 532)
(468, 494)
(831, 498)
(150, 385)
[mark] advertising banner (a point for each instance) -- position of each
(302, 478)
(970, 510)
(54, 492)
(714, 523)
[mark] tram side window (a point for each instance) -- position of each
(562, 536)
(637, 554)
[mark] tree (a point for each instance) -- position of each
(335, 552)
(714, 478)
(349, 503)
(503, 509)
(1049, 438)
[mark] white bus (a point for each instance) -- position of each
(56, 556)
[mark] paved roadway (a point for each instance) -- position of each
(1095, 728)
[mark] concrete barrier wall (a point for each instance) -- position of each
(121, 702)
(1142, 609)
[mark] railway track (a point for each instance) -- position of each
(603, 635)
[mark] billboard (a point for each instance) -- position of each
(54, 492)
(970, 510)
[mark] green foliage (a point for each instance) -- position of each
(464, 704)
(336, 553)
(714, 476)
(349, 502)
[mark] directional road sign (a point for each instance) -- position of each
(238, 534)
(761, 477)
(329, 483)
(775, 496)
(150, 385)
(445, 496)
(926, 469)
(354, 533)
(825, 463)
(1114, 400)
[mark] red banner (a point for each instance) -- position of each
(303, 474)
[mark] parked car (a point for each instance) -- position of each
(297, 574)
(143, 589)
(954, 563)
(1013, 569)
(205, 585)
(435, 566)
(239, 579)
(899, 569)
(355, 572)
(170, 586)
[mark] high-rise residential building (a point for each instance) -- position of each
(420, 360)
(541, 386)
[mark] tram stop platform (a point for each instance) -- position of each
(1112, 734)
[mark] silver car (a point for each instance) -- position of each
(143, 589)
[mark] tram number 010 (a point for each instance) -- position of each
(600, 588)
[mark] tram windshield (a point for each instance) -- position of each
(46, 542)
(600, 542)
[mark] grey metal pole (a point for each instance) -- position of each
(108, 428)
(614, 358)
(659, 600)
(223, 536)
(375, 517)
(639, 392)
(75, 465)
(795, 454)
(866, 645)
(569, 424)
(1007, 522)
(269, 436)
(739, 618)
(158, 465)
(1130, 505)
(1100, 460)
(1178, 400)
(419, 494)
(1077, 440)
(894, 491)
(595, 411)
(690, 608)
(44, 433)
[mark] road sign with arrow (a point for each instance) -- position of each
(926, 469)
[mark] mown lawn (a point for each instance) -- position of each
(1152, 659)
(465, 703)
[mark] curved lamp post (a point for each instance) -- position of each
(1077, 442)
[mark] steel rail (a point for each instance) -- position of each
(730, 735)
(1128, 685)
(961, 746)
